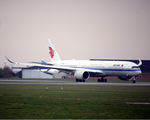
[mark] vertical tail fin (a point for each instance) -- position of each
(52, 52)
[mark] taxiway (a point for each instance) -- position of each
(67, 82)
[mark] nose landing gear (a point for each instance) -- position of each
(102, 80)
(134, 79)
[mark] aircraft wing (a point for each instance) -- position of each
(41, 65)
(52, 66)
(27, 65)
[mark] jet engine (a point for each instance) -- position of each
(82, 75)
(53, 71)
(125, 78)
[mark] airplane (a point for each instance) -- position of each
(81, 70)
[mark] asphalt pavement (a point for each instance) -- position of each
(67, 82)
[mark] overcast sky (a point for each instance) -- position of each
(79, 29)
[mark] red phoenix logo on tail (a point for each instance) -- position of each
(51, 52)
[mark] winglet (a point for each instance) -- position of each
(140, 63)
(10, 60)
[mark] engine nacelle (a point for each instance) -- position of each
(53, 71)
(125, 78)
(82, 75)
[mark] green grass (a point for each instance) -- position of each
(73, 101)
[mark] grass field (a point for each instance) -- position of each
(74, 101)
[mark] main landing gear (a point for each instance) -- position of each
(102, 80)
(134, 81)
(78, 80)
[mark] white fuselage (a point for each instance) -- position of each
(108, 68)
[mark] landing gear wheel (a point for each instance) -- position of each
(83, 80)
(105, 80)
(102, 80)
(78, 80)
(134, 81)
(99, 80)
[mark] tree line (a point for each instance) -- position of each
(6, 72)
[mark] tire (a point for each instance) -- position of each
(134, 81)
(99, 80)
(77, 80)
(105, 80)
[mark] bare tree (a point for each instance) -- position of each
(7, 72)
(1, 73)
